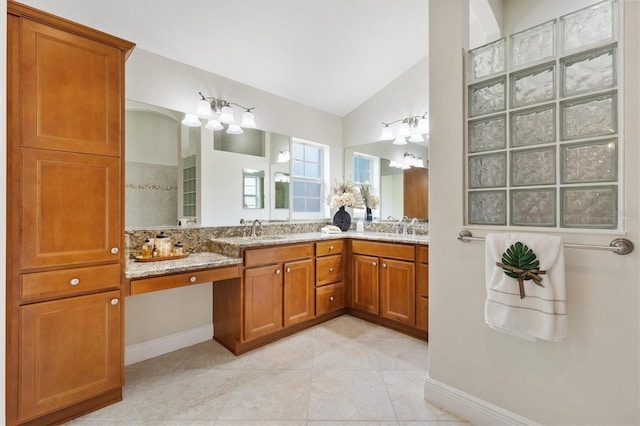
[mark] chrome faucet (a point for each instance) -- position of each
(413, 226)
(403, 224)
(253, 227)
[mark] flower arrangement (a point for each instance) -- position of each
(343, 194)
(370, 200)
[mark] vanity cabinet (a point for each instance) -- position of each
(329, 276)
(65, 217)
(280, 293)
(422, 289)
(383, 281)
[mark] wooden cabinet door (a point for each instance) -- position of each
(364, 283)
(422, 297)
(71, 208)
(71, 91)
(262, 292)
(70, 350)
(299, 291)
(397, 291)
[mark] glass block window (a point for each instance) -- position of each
(307, 177)
(542, 145)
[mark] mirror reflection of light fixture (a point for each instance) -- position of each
(218, 112)
(284, 156)
(408, 160)
(410, 127)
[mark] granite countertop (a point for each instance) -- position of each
(193, 262)
(231, 246)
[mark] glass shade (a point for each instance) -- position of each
(204, 109)
(248, 120)
(416, 137)
(387, 134)
(191, 120)
(226, 115)
(400, 140)
(423, 126)
(283, 156)
(214, 125)
(404, 130)
(234, 129)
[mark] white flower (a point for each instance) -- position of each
(346, 199)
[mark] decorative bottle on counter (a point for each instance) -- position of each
(147, 248)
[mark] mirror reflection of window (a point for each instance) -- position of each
(307, 177)
(253, 189)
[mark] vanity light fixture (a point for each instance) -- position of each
(284, 156)
(218, 112)
(410, 127)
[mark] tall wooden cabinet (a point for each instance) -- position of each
(65, 221)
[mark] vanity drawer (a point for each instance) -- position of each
(325, 248)
(68, 282)
(329, 269)
(329, 298)
(277, 254)
(394, 251)
(146, 285)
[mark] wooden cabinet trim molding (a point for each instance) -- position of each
(392, 250)
(147, 285)
(277, 254)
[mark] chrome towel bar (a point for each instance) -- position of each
(618, 246)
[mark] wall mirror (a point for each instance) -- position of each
(379, 163)
(175, 173)
(252, 189)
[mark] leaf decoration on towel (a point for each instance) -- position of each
(521, 257)
(521, 263)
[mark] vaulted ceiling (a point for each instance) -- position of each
(328, 54)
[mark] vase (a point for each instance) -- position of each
(342, 219)
(368, 216)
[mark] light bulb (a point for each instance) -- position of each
(191, 120)
(226, 115)
(214, 125)
(204, 110)
(387, 134)
(248, 120)
(234, 129)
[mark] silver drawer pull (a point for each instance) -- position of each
(374, 264)
(114, 250)
(114, 301)
(192, 279)
(331, 298)
(330, 248)
(288, 269)
(74, 281)
(330, 269)
(277, 271)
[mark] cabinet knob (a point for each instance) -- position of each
(74, 281)
(384, 265)
(331, 298)
(330, 248)
(192, 279)
(277, 271)
(374, 264)
(114, 301)
(114, 250)
(288, 269)
(330, 269)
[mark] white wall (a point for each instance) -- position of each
(3, 196)
(406, 96)
(592, 378)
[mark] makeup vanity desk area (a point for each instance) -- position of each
(270, 287)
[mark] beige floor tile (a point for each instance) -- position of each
(344, 326)
(406, 390)
(211, 354)
(269, 395)
(402, 353)
(349, 395)
(342, 354)
(292, 353)
(188, 394)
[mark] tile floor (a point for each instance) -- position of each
(343, 372)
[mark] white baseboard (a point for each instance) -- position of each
(163, 345)
(477, 411)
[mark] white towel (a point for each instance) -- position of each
(542, 313)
